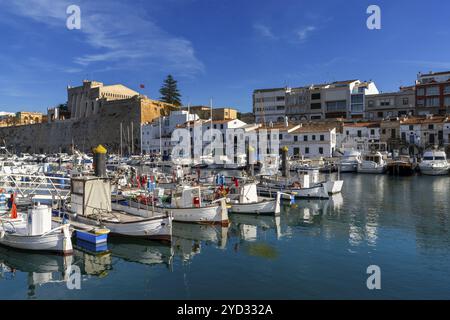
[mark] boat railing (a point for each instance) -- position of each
(35, 185)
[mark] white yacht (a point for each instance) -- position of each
(434, 163)
(373, 162)
(349, 161)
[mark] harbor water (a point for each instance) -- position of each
(316, 249)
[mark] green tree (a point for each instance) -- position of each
(169, 91)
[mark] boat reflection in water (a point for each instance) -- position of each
(253, 235)
(246, 226)
(306, 212)
(41, 268)
(187, 238)
(141, 251)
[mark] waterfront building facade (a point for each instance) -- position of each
(269, 105)
(360, 135)
(157, 134)
(433, 93)
(392, 104)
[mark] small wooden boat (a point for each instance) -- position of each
(38, 233)
(91, 204)
(244, 199)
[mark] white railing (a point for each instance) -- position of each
(37, 186)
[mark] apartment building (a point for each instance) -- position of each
(425, 131)
(339, 99)
(269, 105)
(433, 93)
(359, 135)
(157, 134)
(391, 104)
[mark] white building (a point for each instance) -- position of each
(310, 141)
(447, 132)
(304, 140)
(359, 135)
(157, 135)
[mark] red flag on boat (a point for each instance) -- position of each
(14, 211)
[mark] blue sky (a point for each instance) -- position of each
(215, 49)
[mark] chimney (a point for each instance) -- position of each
(286, 121)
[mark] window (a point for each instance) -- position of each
(280, 107)
(404, 136)
(316, 117)
(307, 150)
(280, 136)
(337, 105)
(447, 101)
(385, 102)
(420, 91)
(320, 150)
(359, 134)
(430, 126)
(215, 126)
(433, 91)
(322, 137)
(305, 138)
(372, 132)
(316, 106)
(295, 138)
(221, 126)
(393, 133)
(420, 102)
(447, 89)
(313, 137)
(432, 102)
(383, 131)
(296, 151)
(371, 103)
(280, 98)
(315, 96)
(347, 132)
(405, 101)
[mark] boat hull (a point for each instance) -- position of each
(57, 242)
(213, 214)
(348, 167)
(265, 207)
(158, 229)
(433, 171)
(316, 192)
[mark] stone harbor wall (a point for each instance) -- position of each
(102, 128)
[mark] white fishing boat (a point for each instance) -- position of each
(434, 163)
(373, 162)
(38, 233)
(91, 204)
(331, 186)
(299, 186)
(349, 161)
(188, 205)
(245, 199)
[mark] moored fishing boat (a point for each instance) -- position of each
(91, 204)
(244, 199)
(37, 234)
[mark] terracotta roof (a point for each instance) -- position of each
(362, 124)
(314, 128)
(424, 120)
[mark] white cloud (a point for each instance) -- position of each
(264, 31)
(118, 33)
(303, 33)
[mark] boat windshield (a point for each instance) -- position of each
(439, 158)
(427, 158)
